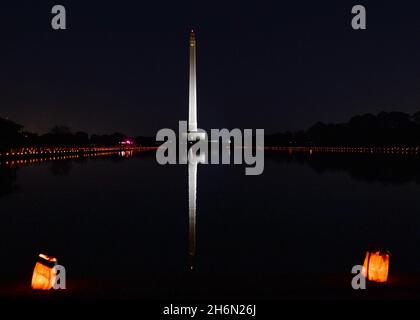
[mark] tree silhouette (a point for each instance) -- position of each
(383, 129)
(10, 133)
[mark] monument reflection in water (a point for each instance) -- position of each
(193, 161)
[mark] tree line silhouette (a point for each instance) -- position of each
(383, 129)
(13, 135)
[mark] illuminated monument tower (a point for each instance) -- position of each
(192, 115)
(193, 158)
(193, 133)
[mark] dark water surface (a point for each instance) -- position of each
(120, 225)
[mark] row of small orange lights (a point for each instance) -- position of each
(75, 156)
(41, 160)
(69, 154)
(43, 151)
(377, 150)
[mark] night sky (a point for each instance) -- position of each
(123, 66)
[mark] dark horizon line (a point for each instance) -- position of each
(274, 132)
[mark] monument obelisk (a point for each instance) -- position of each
(192, 114)
(193, 131)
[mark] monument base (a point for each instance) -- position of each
(194, 136)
